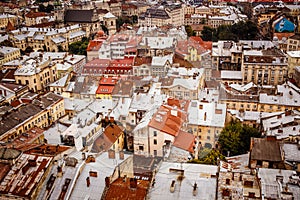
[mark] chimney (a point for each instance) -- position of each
(121, 155)
(59, 171)
(152, 100)
(111, 154)
(138, 96)
(195, 189)
(172, 187)
(88, 182)
(133, 183)
(107, 182)
(83, 156)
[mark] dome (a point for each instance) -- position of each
(100, 33)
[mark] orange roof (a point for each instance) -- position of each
(185, 141)
(107, 139)
(35, 14)
(183, 46)
(281, 35)
(105, 89)
(94, 45)
(205, 44)
(121, 190)
(168, 119)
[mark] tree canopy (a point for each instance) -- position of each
(235, 138)
(190, 32)
(243, 30)
(79, 47)
(208, 156)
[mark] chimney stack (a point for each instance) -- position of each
(88, 182)
(133, 183)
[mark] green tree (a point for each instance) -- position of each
(235, 138)
(208, 156)
(190, 32)
(79, 47)
(208, 34)
(42, 8)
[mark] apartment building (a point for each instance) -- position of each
(163, 15)
(268, 67)
(294, 43)
(36, 73)
(8, 54)
(293, 61)
(119, 46)
(206, 121)
(47, 39)
(36, 18)
(183, 88)
(41, 112)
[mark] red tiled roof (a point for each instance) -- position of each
(185, 141)
(121, 190)
(35, 14)
(105, 89)
(94, 45)
(205, 44)
(168, 119)
(107, 139)
(183, 46)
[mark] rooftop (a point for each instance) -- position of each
(184, 176)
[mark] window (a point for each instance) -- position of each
(154, 141)
(208, 137)
(155, 152)
(141, 148)
(227, 181)
(154, 133)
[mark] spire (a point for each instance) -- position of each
(10, 26)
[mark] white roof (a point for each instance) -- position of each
(63, 66)
(242, 88)
(227, 74)
(76, 104)
(158, 42)
(290, 96)
(104, 168)
(269, 185)
(27, 71)
(61, 82)
(77, 34)
(161, 60)
(199, 174)
(253, 53)
(6, 50)
(58, 39)
(215, 114)
(109, 15)
(190, 83)
(183, 71)
(293, 54)
(122, 108)
(146, 101)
